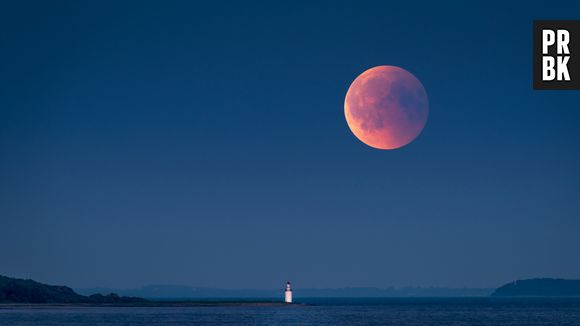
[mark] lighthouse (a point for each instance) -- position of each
(288, 293)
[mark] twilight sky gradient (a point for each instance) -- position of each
(167, 142)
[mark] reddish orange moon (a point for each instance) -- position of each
(386, 107)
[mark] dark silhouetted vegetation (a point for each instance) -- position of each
(540, 287)
(13, 290)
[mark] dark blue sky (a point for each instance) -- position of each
(171, 142)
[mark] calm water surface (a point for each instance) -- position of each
(388, 311)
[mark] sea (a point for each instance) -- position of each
(314, 311)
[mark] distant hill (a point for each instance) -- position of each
(188, 292)
(539, 287)
(14, 290)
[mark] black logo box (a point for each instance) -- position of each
(573, 27)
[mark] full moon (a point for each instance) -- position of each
(386, 107)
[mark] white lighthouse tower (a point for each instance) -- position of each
(288, 293)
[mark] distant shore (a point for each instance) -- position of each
(149, 304)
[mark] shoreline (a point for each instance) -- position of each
(168, 304)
